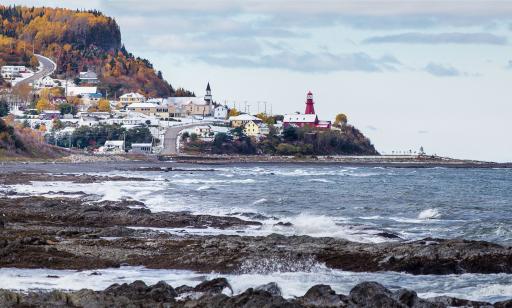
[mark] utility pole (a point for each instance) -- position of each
(265, 107)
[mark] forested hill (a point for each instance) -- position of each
(77, 41)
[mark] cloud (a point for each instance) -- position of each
(314, 62)
(441, 70)
(173, 43)
(509, 65)
(439, 38)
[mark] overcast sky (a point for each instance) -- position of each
(410, 73)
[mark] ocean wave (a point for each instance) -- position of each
(259, 201)
(429, 214)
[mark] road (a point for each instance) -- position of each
(47, 68)
(171, 137)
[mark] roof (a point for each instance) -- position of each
(132, 95)
(142, 105)
(245, 117)
(300, 118)
(88, 75)
(72, 91)
(139, 145)
(186, 100)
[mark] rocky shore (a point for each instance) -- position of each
(218, 293)
(73, 233)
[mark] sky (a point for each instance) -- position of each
(407, 73)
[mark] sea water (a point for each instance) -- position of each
(354, 203)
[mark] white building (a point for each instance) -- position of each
(113, 146)
(76, 91)
(11, 72)
(88, 77)
(142, 148)
(221, 112)
(45, 82)
(130, 98)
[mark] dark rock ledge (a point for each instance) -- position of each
(212, 294)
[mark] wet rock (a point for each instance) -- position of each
(284, 224)
(372, 294)
(446, 301)
(2, 221)
(271, 288)
(214, 286)
(504, 304)
(323, 296)
(388, 235)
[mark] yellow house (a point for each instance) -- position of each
(254, 129)
(144, 108)
(251, 129)
(242, 120)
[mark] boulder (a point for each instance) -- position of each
(271, 288)
(323, 296)
(214, 286)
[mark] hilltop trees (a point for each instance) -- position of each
(340, 120)
(78, 41)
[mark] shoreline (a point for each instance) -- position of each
(349, 161)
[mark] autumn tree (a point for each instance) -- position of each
(233, 112)
(42, 104)
(340, 120)
(103, 105)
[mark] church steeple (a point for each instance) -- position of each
(208, 96)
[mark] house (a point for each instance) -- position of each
(242, 120)
(46, 82)
(57, 100)
(254, 129)
(88, 121)
(81, 91)
(49, 114)
(142, 148)
(131, 98)
(148, 109)
(11, 72)
(220, 112)
(308, 118)
(113, 146)
(88, 77)
(203, 131)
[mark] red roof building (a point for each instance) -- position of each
(308, 118)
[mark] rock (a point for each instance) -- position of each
(504, 304)
(271, 288)
(214, 286)
(2, 221)
(457, 302)
(373, 294)
(323, 296)
(284, 224)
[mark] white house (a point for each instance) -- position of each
(130, 98)
(45, 82)
(10, 72)
(142, 148)
(113, 146)
(76, 91)
(88, 77)
(220, 112)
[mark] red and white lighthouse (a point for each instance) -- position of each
(310, 108)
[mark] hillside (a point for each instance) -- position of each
(18, 142)
(77, 41)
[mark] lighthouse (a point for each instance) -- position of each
(310, 108)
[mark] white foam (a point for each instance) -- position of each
(259, 201)
(429, 214)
